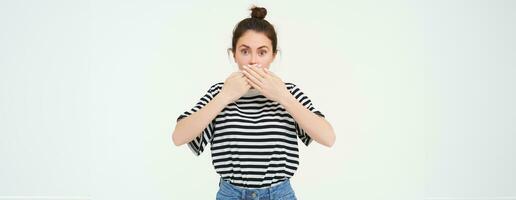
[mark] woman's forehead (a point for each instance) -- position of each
(253, 39)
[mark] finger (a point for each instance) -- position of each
(252, 79)
(259, 70)
(240, 74)
(243, 81)
(243, 78)
(251, 83)
(249, 71)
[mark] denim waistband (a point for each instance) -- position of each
(281, 190)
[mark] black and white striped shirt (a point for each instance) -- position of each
(253, 140)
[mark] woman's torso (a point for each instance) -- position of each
(254, 143)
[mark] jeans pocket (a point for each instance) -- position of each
(223, 194)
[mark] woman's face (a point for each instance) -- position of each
(254, 48)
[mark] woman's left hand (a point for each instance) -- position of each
(268, 83)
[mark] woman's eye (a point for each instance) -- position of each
(244, 51)
(263, 53)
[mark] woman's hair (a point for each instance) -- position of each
(256, 23)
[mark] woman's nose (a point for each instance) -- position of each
(253, 59)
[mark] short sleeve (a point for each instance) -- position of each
(307, 103)
(198, 144)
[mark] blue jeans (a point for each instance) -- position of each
(282, 191)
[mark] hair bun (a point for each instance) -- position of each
(258, 12)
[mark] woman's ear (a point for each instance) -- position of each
(274, 54)
(230, 51)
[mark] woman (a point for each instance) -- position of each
(253, 120)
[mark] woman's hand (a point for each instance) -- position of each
(268, 83)
(235, 86)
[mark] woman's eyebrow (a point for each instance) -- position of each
(243, 45)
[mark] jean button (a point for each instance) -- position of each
(253, 194)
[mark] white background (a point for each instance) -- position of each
(420, 93)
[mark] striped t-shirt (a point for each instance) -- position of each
(253, 140)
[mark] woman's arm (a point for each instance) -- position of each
(192, 126)
(272, 87)
(316, 127)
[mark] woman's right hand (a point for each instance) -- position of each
(235, 86)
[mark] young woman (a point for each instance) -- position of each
(253, 120)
